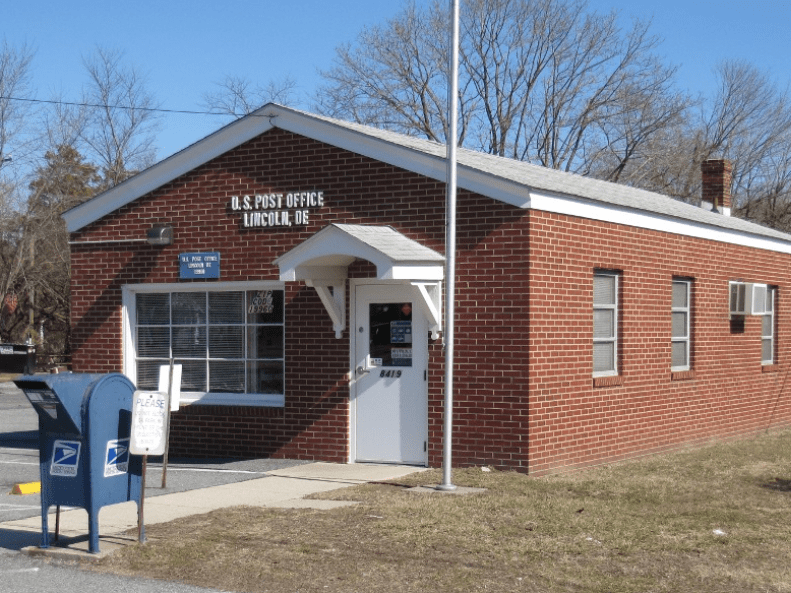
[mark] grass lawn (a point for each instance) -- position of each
(712, 519)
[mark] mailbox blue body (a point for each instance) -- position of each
(84, 427)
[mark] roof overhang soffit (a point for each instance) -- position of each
(322, 262)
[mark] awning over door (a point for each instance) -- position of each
(323, 260)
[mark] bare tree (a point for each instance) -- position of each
(15, 71)
(540, 80)
(748, 122)
(115, 126)
(63, 124)
(34, 253)
(122, 121)
(603, 95)
(238, 96)
(16, 112)
(395, 76)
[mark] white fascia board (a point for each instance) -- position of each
(316, 273)
(496, 188)
(415, 272)
(163, 172)
(582, 208)
(378, 149)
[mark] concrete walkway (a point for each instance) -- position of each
(281, 488)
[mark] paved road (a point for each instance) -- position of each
(19, 573)
(18, 453)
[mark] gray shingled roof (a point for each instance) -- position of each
(492, 176)
(391, 243)
(540, 178)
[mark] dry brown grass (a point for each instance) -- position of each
(647, 525)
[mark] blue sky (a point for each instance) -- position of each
(185, 46)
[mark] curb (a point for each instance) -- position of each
(28, 488)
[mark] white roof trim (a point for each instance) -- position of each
(568, 205)
(327, 255)
(425, 158)
(520, 184)
(167, 170)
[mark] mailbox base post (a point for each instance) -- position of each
(44, 526)
(93, 530)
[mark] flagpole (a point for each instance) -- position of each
(450, 246)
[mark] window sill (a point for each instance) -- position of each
(770, 368)
(233, 399)
(682, 375)
(610, 381)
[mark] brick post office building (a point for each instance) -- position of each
(294, 266)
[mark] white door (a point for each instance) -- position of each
(390, 358)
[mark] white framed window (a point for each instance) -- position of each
(680, 324)
(229, 339)
(605, 323)
(768, 327)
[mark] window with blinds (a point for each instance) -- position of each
(768, 328)
(680, 325)
(605, 323)
(226, 341)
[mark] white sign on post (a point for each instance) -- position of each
(148, 423)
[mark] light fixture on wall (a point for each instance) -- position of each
(160, 235)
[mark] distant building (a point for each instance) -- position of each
(301, 290)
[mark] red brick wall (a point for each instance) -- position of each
(314, 422)
(646, 409)
(492, 339)
(524, 397)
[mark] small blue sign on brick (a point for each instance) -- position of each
(199, 265)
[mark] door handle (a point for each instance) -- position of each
(362, 371)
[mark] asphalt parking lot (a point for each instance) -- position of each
(19, 462)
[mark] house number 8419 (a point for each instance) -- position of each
(393, 374)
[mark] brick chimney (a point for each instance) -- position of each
(716, 177)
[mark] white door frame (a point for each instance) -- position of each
(353, 324)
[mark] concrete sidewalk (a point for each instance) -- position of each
(282, 488)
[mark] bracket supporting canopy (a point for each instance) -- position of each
(333, 297)
(322, 261)
(431, 304)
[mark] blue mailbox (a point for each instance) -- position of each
(84, 427)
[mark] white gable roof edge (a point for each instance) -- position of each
(167, 170)
(582, 208)
(506, 180)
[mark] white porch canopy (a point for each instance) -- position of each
(323, 260)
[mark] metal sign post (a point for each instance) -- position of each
(141, 527)
(167, 427)
(149, 414)
(169, 384)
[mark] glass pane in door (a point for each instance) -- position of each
(390, 334)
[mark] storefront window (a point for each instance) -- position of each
(226, 341)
